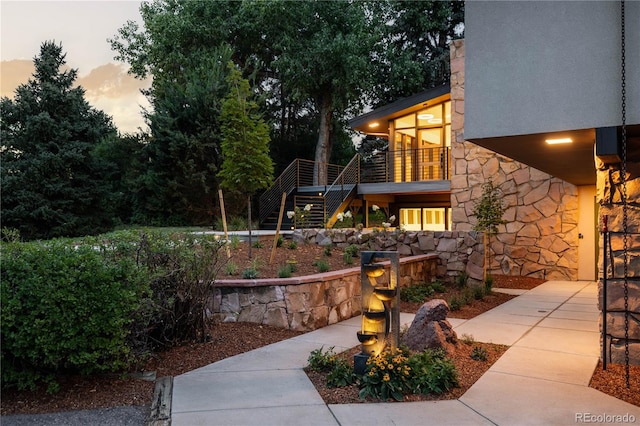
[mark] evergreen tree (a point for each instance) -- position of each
(247, 166)
(51, 182)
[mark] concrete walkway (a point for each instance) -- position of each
(541, 380)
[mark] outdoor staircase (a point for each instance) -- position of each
(326, 201)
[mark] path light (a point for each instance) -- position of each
(380, 306)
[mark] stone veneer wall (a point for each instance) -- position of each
(540, 238)
(609, 190)
(314, 301)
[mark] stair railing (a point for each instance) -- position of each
(342, 187)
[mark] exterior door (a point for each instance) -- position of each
(587, 233)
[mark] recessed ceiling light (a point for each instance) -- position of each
(425, 116)
(558, 141)
(375, 124)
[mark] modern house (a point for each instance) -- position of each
(534, 105)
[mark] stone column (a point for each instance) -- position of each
(609, 196)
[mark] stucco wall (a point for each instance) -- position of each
(535, 67)
(540, 237)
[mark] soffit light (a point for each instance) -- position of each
(558, 141)
(374, 124)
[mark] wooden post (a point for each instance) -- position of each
(275, 239)
(224, 222)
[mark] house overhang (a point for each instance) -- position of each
(364, 123)
(572, 162)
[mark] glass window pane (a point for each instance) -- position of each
(430, 138)
(406, 121)
(447, 135)
(447, 112)
(410, 219)
(431, 116)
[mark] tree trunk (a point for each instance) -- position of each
(486, 256)
(249, 215)
(323, 147)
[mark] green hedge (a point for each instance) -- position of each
(65, 308)
(98, 304)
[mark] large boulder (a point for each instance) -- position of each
(430, 328)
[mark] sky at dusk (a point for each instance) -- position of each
(82, 27)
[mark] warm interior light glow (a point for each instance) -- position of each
(558, 141)
(425, 116)
(374, 124)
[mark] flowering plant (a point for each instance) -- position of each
(377, 216)
(300, 216)
(345, 220)
(387, 375)
(386, 225)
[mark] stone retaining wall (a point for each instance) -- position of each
(306, 303)
(540, 238)
(315, 301)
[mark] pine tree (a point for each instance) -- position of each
(51, 183)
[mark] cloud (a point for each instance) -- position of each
(108, 88)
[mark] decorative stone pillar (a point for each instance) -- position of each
(609, 196)
(540, 238)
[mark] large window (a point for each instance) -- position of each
(420, 144)
(425, 219)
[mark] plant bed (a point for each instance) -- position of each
(468, 372)
(306, 259)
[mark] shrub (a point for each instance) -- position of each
(99, 303)
(432, 372)
(341, 374)
(322, 265)
(183, 269)
(478, 292)
(231, 268)
(461, 280)
(65, 308)
(327, 250)
(467, 339)
(285, 271)
(292, 245)
(279, 241)
(416, 293)
(438, 287)
(258, 244)
(353, 250)
(293, 265)
(321, 361)
(455, 303)
(235, 242)
(347, 258)
(479, 354)
(488, 284)
(250, 273)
